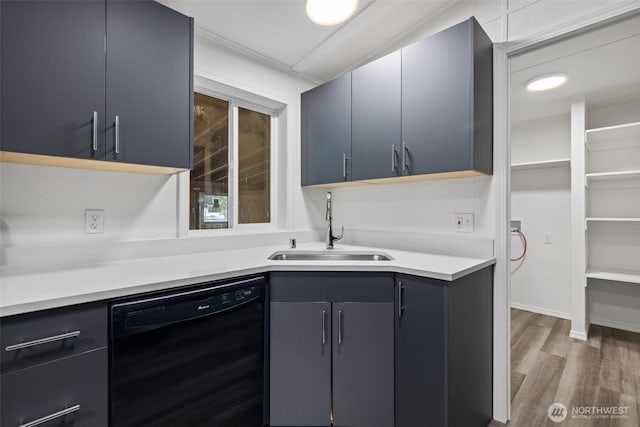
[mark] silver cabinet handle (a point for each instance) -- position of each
(393, 158)
(405, 166)
(117, 125)
(324, 327)
(339, 327)
(51, 417)
(95, 131)
(42, 341)
(345, 159)
(401, 307)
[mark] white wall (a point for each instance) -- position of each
(541, 199)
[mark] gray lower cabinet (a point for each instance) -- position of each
(300, 342)
(54, 367)
(70, 392)
(363, 364)
(331, 349)
(444, 348)
(43, 336)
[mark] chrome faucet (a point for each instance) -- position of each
(330, 237)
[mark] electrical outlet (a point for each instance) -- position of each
(94, 221)
(463, 222)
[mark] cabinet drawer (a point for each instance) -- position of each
(336, 286)
(34, 338)
(76, 384)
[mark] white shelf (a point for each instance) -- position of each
(555, 163)
(629, 276)
(612, 219)
(626, 176)
(612, 175)
(610, 133)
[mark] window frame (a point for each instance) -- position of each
(236, 99)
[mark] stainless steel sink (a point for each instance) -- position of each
(328, 256)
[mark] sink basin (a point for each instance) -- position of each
(328, 256)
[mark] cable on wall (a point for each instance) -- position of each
(524, 244)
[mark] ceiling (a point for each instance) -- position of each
(603, 65)
(279, 33)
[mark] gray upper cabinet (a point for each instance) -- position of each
(69, 68)
(376, 118)
(149, 84)
(52, 77)
(326, 132)
(447, 102)
(423, 110)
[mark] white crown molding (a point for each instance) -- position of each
(251, 54)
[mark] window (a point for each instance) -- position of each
(230, 181)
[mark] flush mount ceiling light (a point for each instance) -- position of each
(546, 82)
(330, 12)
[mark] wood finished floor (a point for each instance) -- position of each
(547, 367)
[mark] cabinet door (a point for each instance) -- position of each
(421, 353)
(326, 132)
(77, 384)
(149, 84)
(52, 77)
(436, 102)
(375, 142)
(363, 364)
(300, 364)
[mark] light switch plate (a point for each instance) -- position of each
(463, 222)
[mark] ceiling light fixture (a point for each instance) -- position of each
(330, 12)
(546, 82)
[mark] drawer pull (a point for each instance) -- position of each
(53, 416)
(42, 341)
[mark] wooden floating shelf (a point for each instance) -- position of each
(555, 163)
(628, 276)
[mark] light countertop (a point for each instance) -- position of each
(26, 292)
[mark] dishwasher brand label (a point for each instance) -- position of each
(203, 307)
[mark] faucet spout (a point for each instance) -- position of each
(329, 217)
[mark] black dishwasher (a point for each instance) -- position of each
(190, 358)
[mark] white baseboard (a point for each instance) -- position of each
(578, 335)
(540, 310)
(616, 325)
